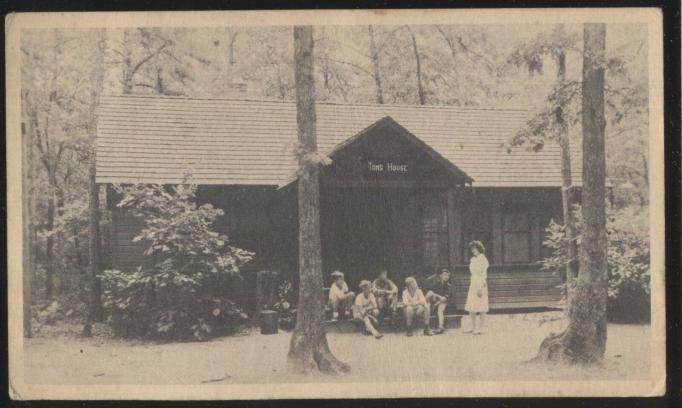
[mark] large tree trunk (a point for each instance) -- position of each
(95, 312)
(127, 63)
(374, 53)
(27, 218)
(49, 240)
(584, 341)
(567, 193)
(77, 251)
(308, 349)
(417, 58)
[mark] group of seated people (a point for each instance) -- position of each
(380, 297)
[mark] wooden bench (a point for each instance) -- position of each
(392, 323)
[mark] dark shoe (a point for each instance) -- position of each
(378, 336)
(410, 333)
(428, 332)
(439, 331)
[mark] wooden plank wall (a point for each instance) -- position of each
(275, 238)
(455, 224)
(126, 254)
(510, 285)
(512, 289)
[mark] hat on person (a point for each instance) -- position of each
(409, 280)
(337, 274)
(364, 283)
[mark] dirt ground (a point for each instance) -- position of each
(54, 357)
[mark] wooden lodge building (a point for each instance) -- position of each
(407, 189)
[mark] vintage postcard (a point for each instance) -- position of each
(336, 204)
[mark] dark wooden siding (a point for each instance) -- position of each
(512, 288)
(265, 221)
(126, 254)
(246, 223)
(511, 223)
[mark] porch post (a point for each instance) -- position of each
(454, 212)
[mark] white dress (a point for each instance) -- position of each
(478, 267)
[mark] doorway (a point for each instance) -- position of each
(365, 229)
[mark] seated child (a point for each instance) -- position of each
(438, 290)
(415, 306)
(385, 291)
(340, 298)
(366, 309)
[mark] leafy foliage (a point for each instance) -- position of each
(628, 262)
(177, 296)
(179, 232)
(57, 90)
(284, 305)
(626, 106)
(531, 54)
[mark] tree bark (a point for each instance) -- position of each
(584, 340)
(49, 240)
(77, 251)
(95, 312)
(309, 349)
(27, 219)
(420, 87)
(127, 63)
(567, 193)
(160, 87)
(374, 53)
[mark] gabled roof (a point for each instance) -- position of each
(389, 122)
(151, 139)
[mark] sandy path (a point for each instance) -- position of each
(496, 355)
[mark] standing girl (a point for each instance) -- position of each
(477, 298)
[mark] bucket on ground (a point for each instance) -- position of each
(268, 322)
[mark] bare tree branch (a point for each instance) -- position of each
(358, 67)
(147, 58)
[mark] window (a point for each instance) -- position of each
(516, 237)
(435, 233)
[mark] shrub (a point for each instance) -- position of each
(287, 313)
(276, 294)
(177, 297)
(628, 265)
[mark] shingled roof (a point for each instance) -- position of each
(151, 139)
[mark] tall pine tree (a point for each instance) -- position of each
(584, 340)
(309, 349)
